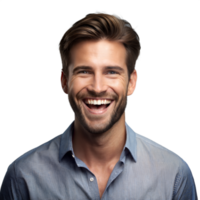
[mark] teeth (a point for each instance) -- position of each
(97, 102)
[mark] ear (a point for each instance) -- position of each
(132, 83)
(64, 82)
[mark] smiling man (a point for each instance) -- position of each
(99, 156)
(97, 85)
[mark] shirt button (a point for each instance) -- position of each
(73, 155)
(91, 179)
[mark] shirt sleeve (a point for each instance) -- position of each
(9, 188)
(184, 187)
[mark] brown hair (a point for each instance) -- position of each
(101, 26)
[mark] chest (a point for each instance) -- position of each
(102, 180)
(103, 173)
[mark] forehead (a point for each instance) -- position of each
(98, 53)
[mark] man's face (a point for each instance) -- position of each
(98, 84)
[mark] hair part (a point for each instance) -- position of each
(101, 26)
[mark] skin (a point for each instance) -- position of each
(98, 71)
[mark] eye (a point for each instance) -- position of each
(113, 71)
(81, 71)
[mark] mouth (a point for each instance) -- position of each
(97, 109)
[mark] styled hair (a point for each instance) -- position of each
(101, 26)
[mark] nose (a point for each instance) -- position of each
(98, 84)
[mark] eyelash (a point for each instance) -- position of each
(86, 71)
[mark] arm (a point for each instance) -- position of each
(9, 189)
(184, 187)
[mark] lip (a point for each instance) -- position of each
(97, 112)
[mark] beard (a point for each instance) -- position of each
(100, 128)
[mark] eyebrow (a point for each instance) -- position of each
(90, 68)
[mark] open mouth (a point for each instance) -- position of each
(97, 109)
(97, 106)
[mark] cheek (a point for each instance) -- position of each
(76, 85)
(119, 86)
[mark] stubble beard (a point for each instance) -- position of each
(100, 128)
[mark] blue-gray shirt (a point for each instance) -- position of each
(145, 171)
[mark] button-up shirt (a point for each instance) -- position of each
(145, 171)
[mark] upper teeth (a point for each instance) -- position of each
(97, 102)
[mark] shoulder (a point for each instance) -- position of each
(33, 158)
(175, 170)
(31, 164)
(36, 155)
(159, 154)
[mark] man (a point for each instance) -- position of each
(99, 156)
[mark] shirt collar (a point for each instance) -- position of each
(66, 142)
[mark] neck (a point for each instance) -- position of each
(99, 151)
